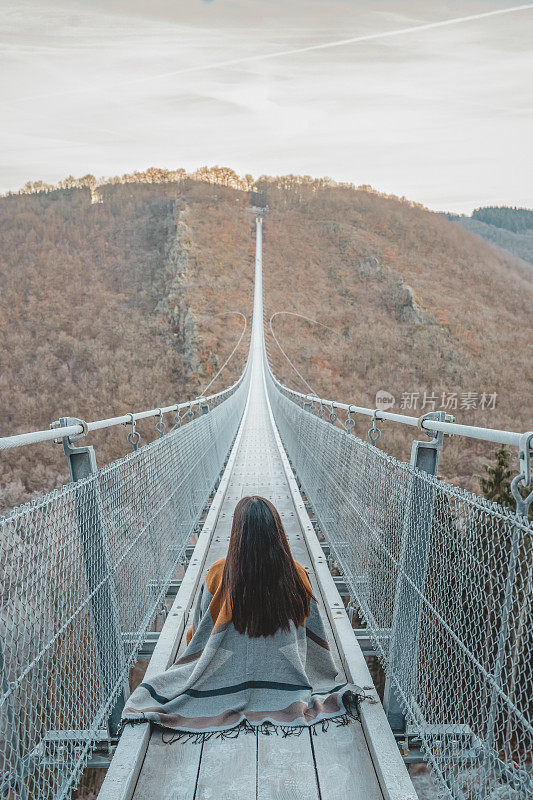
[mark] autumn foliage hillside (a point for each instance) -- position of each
(95, 318)
(117, 298)
(422, 310)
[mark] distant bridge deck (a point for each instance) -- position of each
(360, 760)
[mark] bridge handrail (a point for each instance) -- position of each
(443, 581)
(84, 571)
(497, 436)
(34, 437)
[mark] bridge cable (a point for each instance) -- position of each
(226, 362)
(302, 316)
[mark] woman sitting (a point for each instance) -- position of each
(257, 656)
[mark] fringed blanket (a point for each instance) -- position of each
(226, 680)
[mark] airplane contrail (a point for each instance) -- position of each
(294, 51)
(340, 42)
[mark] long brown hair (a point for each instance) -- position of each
(260, 579)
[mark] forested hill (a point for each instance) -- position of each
(115, 299)
(518, 220)
(510, 228)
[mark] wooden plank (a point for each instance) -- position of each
(170, 771)
(286, 768)
(121, 777)
(228, 769)
(342, 758)
(301, 554)
(344, 765)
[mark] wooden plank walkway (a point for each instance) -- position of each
(360, 761)
(331, 765)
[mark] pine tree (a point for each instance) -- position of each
(497, 485)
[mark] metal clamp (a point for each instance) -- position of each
(349, 422)
(133, 436)
(332, 415)
(81, 459)
(425, 455)
(449, 418)
(431, 415)
(160, 426)
(177, 418)
(203, 406)
(420, 425)
(374, 433)
(308, 402)
(66, 422)
(525, 476)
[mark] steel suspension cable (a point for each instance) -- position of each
(302, 316)
(226, 362)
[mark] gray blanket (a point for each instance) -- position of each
(226, 679)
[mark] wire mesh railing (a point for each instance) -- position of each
(84, 570)
(443, 579)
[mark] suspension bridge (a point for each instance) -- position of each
(439, 579)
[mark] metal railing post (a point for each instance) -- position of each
(98, 571)
(411, 576)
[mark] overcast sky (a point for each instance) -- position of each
(442, 115)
